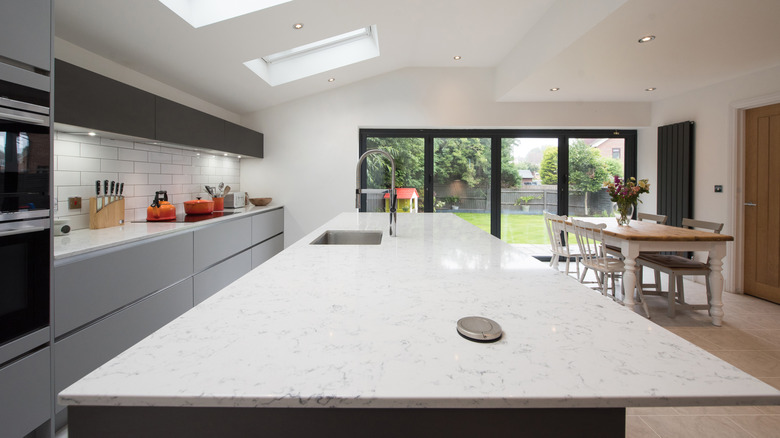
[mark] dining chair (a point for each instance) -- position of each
(590, 239)
(559, 245)
(677, 266)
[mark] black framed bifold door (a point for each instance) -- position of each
(499, 180)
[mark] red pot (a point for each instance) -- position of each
(198, 206)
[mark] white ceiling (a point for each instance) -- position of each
(587, 48)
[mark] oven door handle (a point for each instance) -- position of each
(22, 231)
(17, 117)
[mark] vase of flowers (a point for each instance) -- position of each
(625, 195)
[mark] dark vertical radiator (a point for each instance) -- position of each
(675, 172)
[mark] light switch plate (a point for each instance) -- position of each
(718, 188)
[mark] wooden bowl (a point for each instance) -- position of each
(260, 201)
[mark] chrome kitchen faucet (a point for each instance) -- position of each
(359, 191)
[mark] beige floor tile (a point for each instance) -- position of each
(755, 363)
(743, 321)
(774, 381)
(695, 427)
(771, 410)
(760, 426)
(651, 411)
(775, 354)
(718, 410)
(770, 335)
(731, 339)
(637, 428)
(762, 320)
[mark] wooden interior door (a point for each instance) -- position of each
(762, 202)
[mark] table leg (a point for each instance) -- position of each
(630, 252)
(717, 252)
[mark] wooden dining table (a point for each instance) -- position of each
(640, 236)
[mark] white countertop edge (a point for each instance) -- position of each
(131, 232)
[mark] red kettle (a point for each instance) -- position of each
(161, 209)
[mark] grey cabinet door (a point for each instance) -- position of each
(84, 98)
(180, 124)
(264, 251)
(243, 141)
(220, 241)
(77, 355)
(88, 288)
(25, 32)
(266, 225)
(25, 394)
(214, 279)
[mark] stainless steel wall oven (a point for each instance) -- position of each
(25, 148)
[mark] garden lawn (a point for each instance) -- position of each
(515, 228)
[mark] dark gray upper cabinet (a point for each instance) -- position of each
(87, 99)
(25, 32)
(180, 124)
(243, 141)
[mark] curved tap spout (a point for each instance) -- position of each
(393, 199)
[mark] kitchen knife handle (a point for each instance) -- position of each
(112, 188)
(121, 189)
(97, 188)
(105, 187)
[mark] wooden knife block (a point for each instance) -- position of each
(110, 215)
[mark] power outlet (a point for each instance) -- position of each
(74, 203)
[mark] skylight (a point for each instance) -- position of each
(318, 57)
(204, 12)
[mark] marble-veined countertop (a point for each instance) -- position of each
(84, 241)
(375, 326)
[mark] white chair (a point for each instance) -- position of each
(590, 239)
(559, 245)
(678, 266)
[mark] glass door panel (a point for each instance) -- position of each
(526, 191)
(591, 162)
(409, 156)
(461, 178)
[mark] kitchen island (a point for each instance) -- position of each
(370, 331)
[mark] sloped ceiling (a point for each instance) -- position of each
(588, 49)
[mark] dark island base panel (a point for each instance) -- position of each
(191, 422)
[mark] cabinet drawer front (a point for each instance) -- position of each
(82, 352)
(24, 394)
(220, 241)
(214, 279)
(90, 288)
(266, 250)
(265, 225)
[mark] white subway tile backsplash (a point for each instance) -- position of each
(159, 179)
(116, 166)
(97, 151)
(80, 160)
(78, 164)
(147, 167)
(133, 155)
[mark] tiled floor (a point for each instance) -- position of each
(749, 339)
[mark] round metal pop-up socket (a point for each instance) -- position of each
(479, 329)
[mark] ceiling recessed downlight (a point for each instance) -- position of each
(650, 89)
(554, 89)
(199, 13)
(317, 57)
(331, 79)
(646, 39)
(456, 57)
(298, 26)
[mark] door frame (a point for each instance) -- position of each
(738, 109)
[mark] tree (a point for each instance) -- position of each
(510, 175)
(465, 159)
(549, 167)
(409, 156)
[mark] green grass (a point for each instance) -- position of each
(515, 228)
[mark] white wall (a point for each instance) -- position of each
(311, 145)
(712, 110)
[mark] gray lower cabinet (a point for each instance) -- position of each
(214, 279)
(267, 225)
(25, 391)
(222, 240)
(80, 353)
(264, 251)
(89, 288)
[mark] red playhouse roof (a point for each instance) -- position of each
(404, 193)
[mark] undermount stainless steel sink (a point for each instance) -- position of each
(349, 237)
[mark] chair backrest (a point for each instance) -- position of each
(657, 218)
(590, 239)
(693, 223)
(555, 226)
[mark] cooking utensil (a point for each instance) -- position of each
(227, 190)
(199, 206)
(161, 209)
(105, 192)
(111, 198)
(98, 199)
(220, 187)
(121, 190)
(209, 191)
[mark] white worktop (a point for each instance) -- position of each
(374, 326)
(84, 241)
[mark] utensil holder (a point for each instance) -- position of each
(219, 204)
(111, 215)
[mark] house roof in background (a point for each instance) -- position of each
(587, 49)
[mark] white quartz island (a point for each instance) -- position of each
(371, 331)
